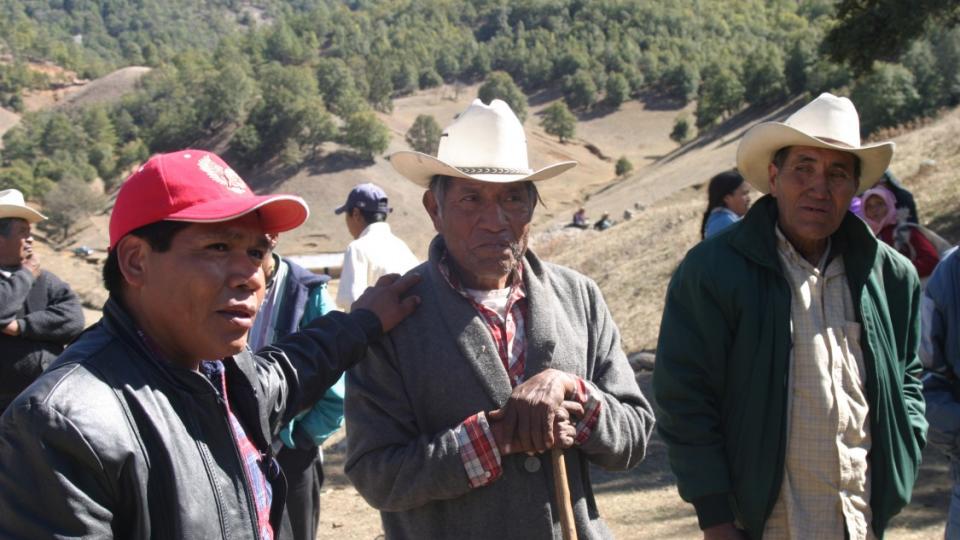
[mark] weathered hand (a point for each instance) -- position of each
(564, 429)
(386, 301)
(506, 444)
(32, 263)
(724, 531)
(12, 328)
(529, 413)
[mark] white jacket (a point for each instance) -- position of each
(374, 253)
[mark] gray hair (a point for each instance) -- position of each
(440, 183)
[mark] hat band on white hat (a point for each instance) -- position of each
(493, 170)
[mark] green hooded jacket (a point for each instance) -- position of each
(722, 366)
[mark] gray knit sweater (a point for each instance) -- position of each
(440, 366)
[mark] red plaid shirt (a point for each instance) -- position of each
(478, 448)
(252, 458)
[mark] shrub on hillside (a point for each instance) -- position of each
(559, 121)
(19, 175)
(499, 85)
(720, 93)
(579, 90)
(618, 90)
(366, 134)
(623, 166)
(68, 202)
(681, 129)
(424, 135)
(885, 98)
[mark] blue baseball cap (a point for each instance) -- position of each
(366, 197)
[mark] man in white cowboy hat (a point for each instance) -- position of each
(39, 313)
(787, 366)
(508, 356)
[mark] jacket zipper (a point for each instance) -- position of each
(251, 507)
(211, 476)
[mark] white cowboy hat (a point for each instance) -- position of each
(486, 143)
(12, 206)
(826, 122)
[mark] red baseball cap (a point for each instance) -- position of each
(198, 187)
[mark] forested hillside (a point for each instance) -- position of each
(271, 84)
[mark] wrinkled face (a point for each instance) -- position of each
(485, 227)
(813, 191)
(739, 200)
(875, 208)
(199, 299)
(17, 246)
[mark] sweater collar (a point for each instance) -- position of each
(756, 240)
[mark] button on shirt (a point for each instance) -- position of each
(826, 482)
(374, 253)
(503, 312)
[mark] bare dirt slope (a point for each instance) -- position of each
(326, 185)
(8, 119)
(107, 89)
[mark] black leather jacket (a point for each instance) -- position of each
(111, 442)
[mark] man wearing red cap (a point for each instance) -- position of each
(157, 422)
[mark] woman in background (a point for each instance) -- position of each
(728, 198)
(880, 213)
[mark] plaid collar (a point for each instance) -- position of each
(448, 271)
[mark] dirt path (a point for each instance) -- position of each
(639, 504)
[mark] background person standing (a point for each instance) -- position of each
(39, 313)
(375, 251)
(293, 298)
(940, 352)
(728, 199)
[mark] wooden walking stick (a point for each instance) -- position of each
(561, 490)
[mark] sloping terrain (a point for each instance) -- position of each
(325, 187)
(107, 89)
(8, 119)
(632, 263)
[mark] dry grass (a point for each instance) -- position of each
(632, 261)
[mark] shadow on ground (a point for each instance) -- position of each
(926, 512)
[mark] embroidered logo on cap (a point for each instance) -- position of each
(225, 176)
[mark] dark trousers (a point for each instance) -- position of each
(304, 474)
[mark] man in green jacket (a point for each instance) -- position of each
(787, 366)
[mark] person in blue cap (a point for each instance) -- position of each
(375, 251)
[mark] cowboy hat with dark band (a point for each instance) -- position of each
(485, 143)
(826, 122)
(13, 206)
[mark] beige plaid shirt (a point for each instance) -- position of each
(826, 481)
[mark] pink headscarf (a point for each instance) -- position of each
(891, 202)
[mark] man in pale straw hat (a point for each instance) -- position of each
(39, 313)
(157, 422)
(507, 357)
(787, 364)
